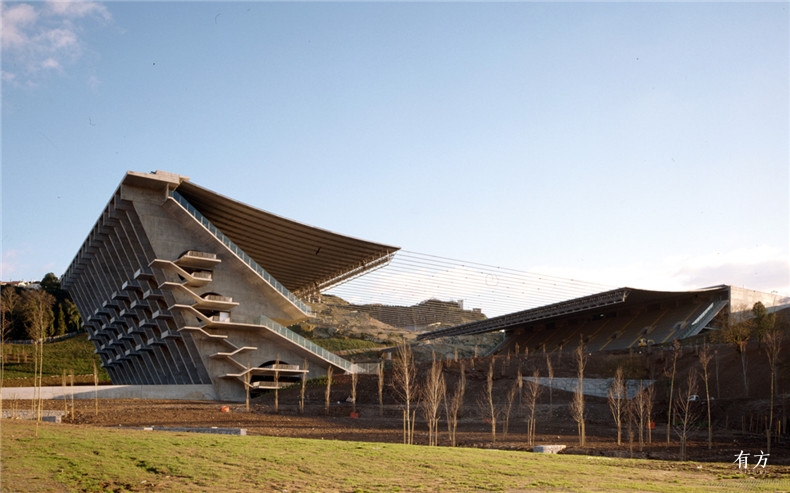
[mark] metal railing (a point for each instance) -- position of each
(238, 251)
(196, 253)
(309, 345)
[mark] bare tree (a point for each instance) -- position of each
(630, 414)
(277, 384)
(433, 391)
(486, 402)
(246, 379)
(404, 385)
(550, 374)
(617, 398)
(380, 375)
(687, 414)
(38, 316)
(649, 399)
(328, 390)
(737, 331)
(577, 403)
(704, 360)
(354, 382)
(304, 384)
(71, 384)
(63, 384)
(639, 408)
(8, 303)
(453, 404)
(716, 364)
(532, 390)
(512, 395)
(95, 388)
(676, 352)
(773, 347)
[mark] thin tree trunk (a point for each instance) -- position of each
(95, 389)
(743, 368)
(328, 390)
(380, 375)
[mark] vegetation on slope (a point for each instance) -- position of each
(73, 355)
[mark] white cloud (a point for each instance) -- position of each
(15, 20)
(94, 82)
(59, 39)
(411, 278)
(40, 38)
(762, 268)
(50, 63)
(9, 269)
(78, 9)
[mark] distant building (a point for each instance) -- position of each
(179, 285)
(22, 284)
(618, 319)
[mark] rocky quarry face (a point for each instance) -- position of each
(387, 325)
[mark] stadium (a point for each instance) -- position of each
(618, 319)
(179, 285)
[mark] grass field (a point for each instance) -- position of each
(74, 356)
(344, 344)
(72, 458)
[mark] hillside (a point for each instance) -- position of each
(345, 328)
(335, 325)
(430, 314)
(73, 355)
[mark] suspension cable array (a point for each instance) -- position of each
(410, 278)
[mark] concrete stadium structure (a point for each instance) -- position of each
(617, 319)
(179, 285)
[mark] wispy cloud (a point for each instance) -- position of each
(763, 268)
(10, 268)
(44, 38)
(78, 9)
(16, 21)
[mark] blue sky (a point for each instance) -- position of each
(620, 143)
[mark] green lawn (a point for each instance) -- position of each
(74, 355)
(73, 458)
(344, 344)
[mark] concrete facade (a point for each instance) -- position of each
(168, 298)
(164, 392)
(623, 318)
(742, 299)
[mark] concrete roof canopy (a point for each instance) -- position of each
(303, 258)
(177, 284)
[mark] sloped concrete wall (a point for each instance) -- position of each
(165, 392)
(597, 387)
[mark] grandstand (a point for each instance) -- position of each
(179, 285)
(616, 319)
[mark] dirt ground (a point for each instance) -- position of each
(735, 422)
(338, 423)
